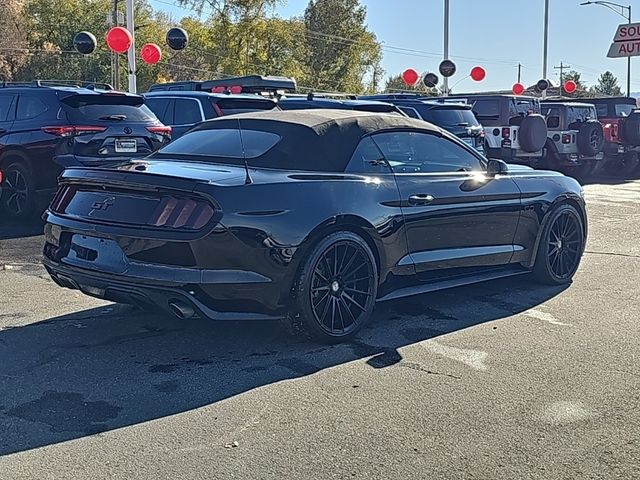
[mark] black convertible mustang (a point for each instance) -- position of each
(314, 215)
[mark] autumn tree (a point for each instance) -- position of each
(396, 84)
(13, 40)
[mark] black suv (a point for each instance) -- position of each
(575, 138)
(45, 128)
(454, 116)
(514, 129)
(313, 101)
(184, 109)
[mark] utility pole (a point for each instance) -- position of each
(546, 44)
(562, 68)
(519, 71)
(131, 54)
(115, 59)
(446, 44)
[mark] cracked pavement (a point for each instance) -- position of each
(500, 380)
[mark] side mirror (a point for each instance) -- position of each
(496, 167)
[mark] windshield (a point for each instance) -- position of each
(454, 117)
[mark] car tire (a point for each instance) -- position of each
(336, 289)
(532, 133)
(590, 138)
(631, 128)
(18, 191)
(561, 247)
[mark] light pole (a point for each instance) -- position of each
(131, 54)
(446, 43)
(614, 8)
(545, 54)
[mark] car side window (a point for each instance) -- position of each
(29, 107)
(410, 111)
(161, 107)
(416, 152)
(187, 111)
(5, 107)
(367, 158)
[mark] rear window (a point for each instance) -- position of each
(623, 110)
(81, 108)
(486, 109)
(229, 144)
(454, 117)
(231, 106)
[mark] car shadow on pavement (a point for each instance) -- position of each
(106, 368)
(11, 229)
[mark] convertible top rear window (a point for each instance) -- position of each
(231, 144)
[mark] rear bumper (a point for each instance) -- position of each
(161, 294)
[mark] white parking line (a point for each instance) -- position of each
(546, 317)
(472, 358)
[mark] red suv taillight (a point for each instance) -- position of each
(73, 130)
(506, 132)
(566, 138)
(161, 130)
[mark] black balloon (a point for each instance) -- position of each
(84, 42)
(177, 38)
(542, 85)
(447, 68)
(430, 80)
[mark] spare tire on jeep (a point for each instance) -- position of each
(533, 133)
(590, 138)
(631, 128)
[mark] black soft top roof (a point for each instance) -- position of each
(316, 139)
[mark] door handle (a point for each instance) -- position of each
(420, 199)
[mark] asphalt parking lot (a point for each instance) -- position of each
(501, 380)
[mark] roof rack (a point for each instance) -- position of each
(58, 83)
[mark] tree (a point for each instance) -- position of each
(607, 85)
(13, 41)
(342, 54)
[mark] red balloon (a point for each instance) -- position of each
(570, 86)
(518, 88)
(151, 53)
(410, 76)
(478, 74)
(119, 39)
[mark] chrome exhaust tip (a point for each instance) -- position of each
(181, 309)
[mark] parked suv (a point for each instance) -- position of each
(514, 129)
(184, 109)
(305, 102)
(575, 138)
(45, 128)
(454, 116)
(621, 123)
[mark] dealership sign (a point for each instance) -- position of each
(626, 42)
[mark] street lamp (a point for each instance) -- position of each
(619, 9)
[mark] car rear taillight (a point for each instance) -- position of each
(62, 199)
(161, 130)
(506, 132)
(73, 130)
(176, 212)
(1, 176)
(566, 138)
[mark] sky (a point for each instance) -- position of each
(495, 34)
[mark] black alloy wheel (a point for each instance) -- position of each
(561, 247)
(17, 191)
(338, 287)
